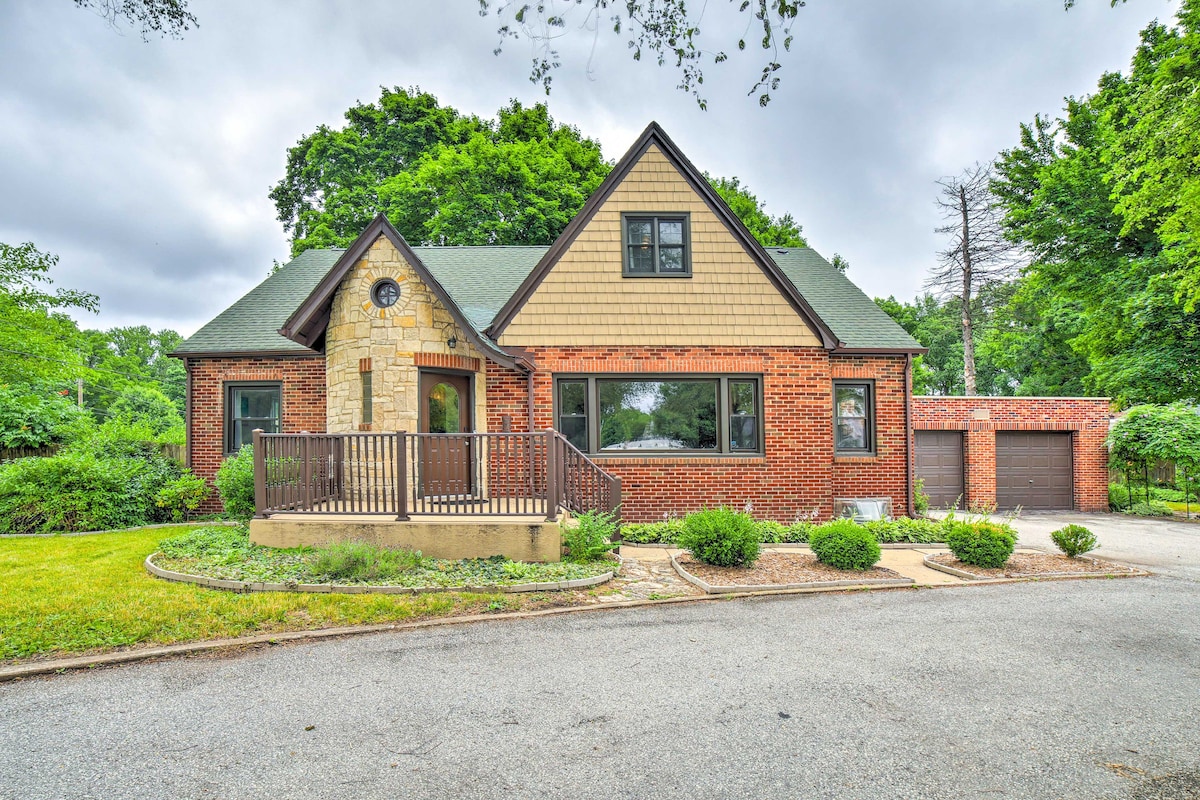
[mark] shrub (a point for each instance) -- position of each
(359, 561)
(1152, 509)
(920, 499)
(235, 483)
(37, 416)
(590, 538)
(1074, 540)
(770, 532)
(845, 545)
(182, 496)
(148, 407)
(982, 544)
(1118, 496)
(666, 532)
(721, 537)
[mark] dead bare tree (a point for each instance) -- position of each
(977, 256)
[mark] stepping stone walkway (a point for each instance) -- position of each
(646, 574)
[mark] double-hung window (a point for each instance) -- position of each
(249, 406)
(853, 418)
(627, 414)
(656, 244)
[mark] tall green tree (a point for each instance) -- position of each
(1101, 202)
(443, 178)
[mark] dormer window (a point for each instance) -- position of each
(656, 245)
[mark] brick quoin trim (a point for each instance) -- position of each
(797, 476)
(302, 404)
(980, 417)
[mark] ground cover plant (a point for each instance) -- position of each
(65, 595)
(983, 544)
(902, 530)
(721, 537)
(845, 545)
(1074, 540)
(226, 552)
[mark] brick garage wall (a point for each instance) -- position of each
(980, 417)
(302, 403)
(796, 477)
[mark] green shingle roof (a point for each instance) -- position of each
(482, 279)
(850, 314)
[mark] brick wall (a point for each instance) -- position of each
(1085, 418)
(302, 403)
(797, 476)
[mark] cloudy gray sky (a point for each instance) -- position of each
(146, 166)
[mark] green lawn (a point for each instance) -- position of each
(85, 594)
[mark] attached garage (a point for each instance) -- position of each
(1033, 470)
(938, 462)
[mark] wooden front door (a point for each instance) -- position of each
(445, 461)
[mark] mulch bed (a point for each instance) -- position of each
(1030, 565)
(779, 568)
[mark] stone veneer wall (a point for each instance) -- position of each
(980, 417)
(797, 476)
(302, 403)
(396, 341)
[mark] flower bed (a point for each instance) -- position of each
(1032, 565)
(781, 571)
(225, 554)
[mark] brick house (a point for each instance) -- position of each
(656, 336)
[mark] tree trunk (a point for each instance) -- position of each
(967, 277)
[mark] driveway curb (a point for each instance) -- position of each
(19, 671)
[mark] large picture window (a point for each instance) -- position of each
(669, 414)
(250, 406)
(657, 245)
(854, 418)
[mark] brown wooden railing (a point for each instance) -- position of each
(399, 474)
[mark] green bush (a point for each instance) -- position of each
(1152, 509)
(182, 496)
(147, 407)
(37, 416)
(843, 544)
(590, 538)
(235, 483)
(982, 544)
(359, 561)
(666, 532)
(920, 499)
(1118, 496)
(1074, 540)
(721, 537)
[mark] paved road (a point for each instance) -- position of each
(1167, 547)
(1087, 689)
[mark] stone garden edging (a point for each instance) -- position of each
(1133, 572)
(338, 588)
(707, 587)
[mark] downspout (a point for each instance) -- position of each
(187, 415)
(908, 434)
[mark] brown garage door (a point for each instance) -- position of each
(938, 457)
(1033, 470)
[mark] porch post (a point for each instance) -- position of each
(614, 500)
(401, 482)
(260, 476)
(551, 476)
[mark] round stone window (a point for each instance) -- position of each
(385, 293)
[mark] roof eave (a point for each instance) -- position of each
(654, 134)
(308, 322)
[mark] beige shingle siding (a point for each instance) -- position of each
(584, 300)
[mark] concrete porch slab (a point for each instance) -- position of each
(517, 538)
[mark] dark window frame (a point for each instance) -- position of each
(381, 284)
(655, 217)
(869, 411)
(724, 447)
(229, 419)
(368, 400)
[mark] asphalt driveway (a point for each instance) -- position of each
(1169, 547)
(1082, 689)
